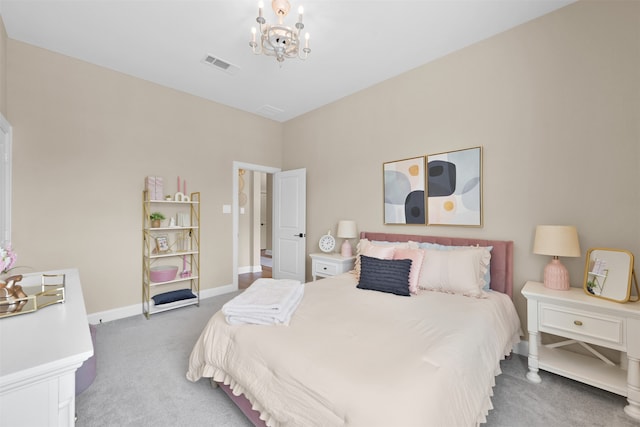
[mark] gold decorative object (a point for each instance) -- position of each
(242, 197)
(14, 299)
(609, 274)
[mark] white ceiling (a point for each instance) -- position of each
(354, 44)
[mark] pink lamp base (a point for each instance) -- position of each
(345, 249)
(556, 276)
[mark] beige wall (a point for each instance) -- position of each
(3, 69)
(556, 105)
(85, 138)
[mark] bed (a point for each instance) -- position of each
(364, 357)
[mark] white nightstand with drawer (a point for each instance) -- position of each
(330, 264)
(585, 320)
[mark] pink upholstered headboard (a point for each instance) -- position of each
(501, 254)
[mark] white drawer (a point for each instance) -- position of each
(326, 268)
(582, 325)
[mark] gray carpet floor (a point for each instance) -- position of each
(141, 382)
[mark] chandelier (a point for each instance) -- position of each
(278, 39)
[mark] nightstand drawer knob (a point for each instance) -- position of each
(577, 322)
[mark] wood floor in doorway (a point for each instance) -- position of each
(245, 280)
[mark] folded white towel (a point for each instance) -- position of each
(265, 302)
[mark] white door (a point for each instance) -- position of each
(289, 224)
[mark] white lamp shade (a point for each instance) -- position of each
(347, 229)
(556, 240)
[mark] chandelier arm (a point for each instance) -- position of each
(255, 46)
(306, 52)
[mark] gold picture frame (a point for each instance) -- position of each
(454, 188)
(162, 244)
(404, 191)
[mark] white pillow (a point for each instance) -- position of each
(487, 274)
(417, 258)
(458, 272)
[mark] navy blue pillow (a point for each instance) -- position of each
(173, 296)
(385, 275)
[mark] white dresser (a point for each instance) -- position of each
(39, 355)
(585, 320)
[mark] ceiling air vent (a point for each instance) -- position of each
(269, 111)
(220, 64)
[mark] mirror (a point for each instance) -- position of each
(608, 274)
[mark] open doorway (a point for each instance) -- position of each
(249, 236)
(288, 222)
(254, 226)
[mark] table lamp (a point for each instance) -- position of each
(557, 241)
(347, 230)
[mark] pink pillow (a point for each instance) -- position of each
(381, 252)
(365, 247)
(416, 256)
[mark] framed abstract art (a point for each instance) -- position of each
(454, 188)
(404, 182)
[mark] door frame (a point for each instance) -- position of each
(6, 147)
(235, 207)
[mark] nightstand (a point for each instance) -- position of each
(585, 320)
(330, 264)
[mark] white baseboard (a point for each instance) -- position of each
(522, 348)
(250, 269)
(136, 309)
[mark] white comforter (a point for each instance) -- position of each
(352, 357)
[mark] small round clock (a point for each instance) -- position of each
(327, 242)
